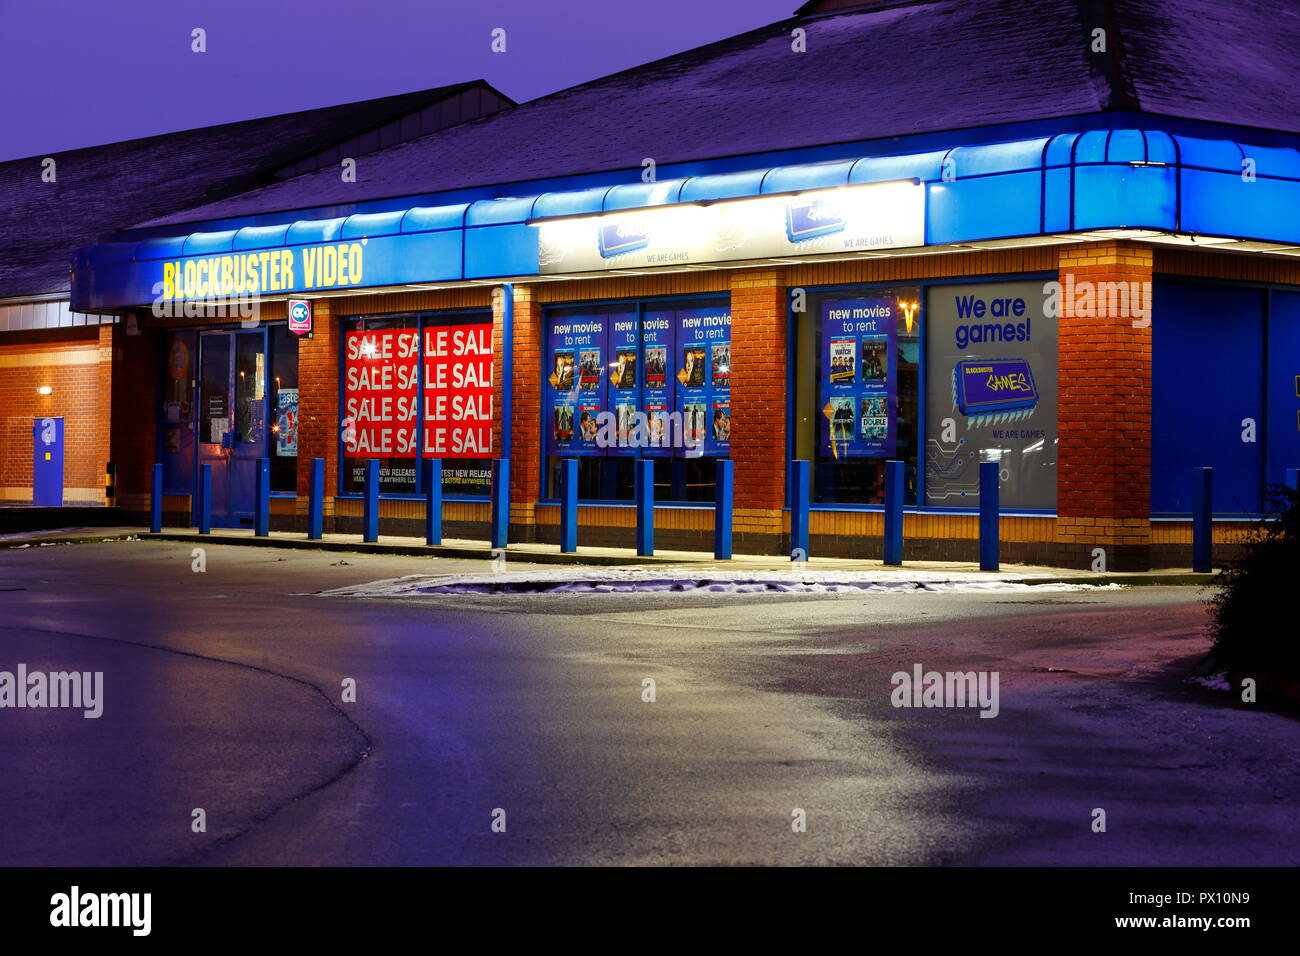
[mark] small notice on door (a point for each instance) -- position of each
(286, 423)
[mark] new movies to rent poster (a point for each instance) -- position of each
(577, 380)
(859, 357)
(704, 379)
(658, 346)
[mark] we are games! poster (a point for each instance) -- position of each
(658, 348)
(703, 359)
(859, 378)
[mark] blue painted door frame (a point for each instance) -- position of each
(234, 379)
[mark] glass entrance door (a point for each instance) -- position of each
(232, 428)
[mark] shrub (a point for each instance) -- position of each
(1256, 618)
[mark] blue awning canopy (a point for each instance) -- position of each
(1065, 183)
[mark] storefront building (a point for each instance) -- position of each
(56, 364)
(1097, 297)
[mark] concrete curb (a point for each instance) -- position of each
(1135, 578)
(484, 553)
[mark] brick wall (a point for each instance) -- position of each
(318, 403)
(758, 400)
(68, 361)
(526, 411)
(1104, 366)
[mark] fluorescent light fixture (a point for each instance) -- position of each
(45, 390)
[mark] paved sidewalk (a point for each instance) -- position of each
(589, 556)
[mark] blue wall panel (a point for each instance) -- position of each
(1207, 356)
(960, 210)
(1224, 204)
(1283, 385)
(1110, 196)
(506, 250)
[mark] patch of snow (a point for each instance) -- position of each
(1217, 681)
(708, 580)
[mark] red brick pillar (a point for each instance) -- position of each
(526, 408)
(104, 399)
(318, 404)
(1104, 361)
(758, 406)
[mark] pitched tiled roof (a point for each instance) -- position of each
(102, 188)
(887, 69)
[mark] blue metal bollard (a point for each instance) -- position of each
(316, 501)
(155, 500)
(569, 505)
(893, 549)
(723, 508)
(205, 499)
(800, 497)
(500, 502)
(1203, 520)
(262, 517)
(645, 507)
(989, 556)
(370, 532)
(433, 501)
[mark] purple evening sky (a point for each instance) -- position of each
(79, 74)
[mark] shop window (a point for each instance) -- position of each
(638, 380)
(414, 387)
(857, 391)
(991, 394)
(177, 420)
(284, 407)
(456, 408)
(1207, 353)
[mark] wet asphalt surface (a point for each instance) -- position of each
(223, 691)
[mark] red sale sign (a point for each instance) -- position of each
(381, 385)
(458, 391)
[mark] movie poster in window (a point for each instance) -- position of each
(704, 380)
(577, 384)
(658, 346)
(624, 377)
(858, 394)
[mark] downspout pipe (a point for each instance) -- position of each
(507, 365)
